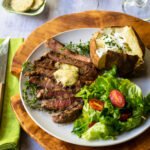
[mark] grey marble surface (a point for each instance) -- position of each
(21, 26)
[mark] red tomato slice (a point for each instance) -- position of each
(117, 98)
(96, 104)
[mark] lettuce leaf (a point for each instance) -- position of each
(98, 131)
(108, 124)
(147, 105)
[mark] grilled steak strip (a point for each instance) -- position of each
(88, 70)
(45, 62)
(59, 94)
(53, 44)
(40, 72)
(57, 46)
(58, 104)
(69, 114)
(45, 83)
(53, 95)
(50, 83)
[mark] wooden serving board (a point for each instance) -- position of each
(49, 142)
(89, 19)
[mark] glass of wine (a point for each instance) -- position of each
(138, 8)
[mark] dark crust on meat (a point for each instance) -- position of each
(70, 114)
(45, 83)
(45, 62)
(51, 84)
(52, 95)
(39, 71)
(59, 104)
(60, 94)
(55, 45)
(88, 70)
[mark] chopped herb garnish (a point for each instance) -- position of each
(29, 95)
(27, 66)
(112, 42)
(81, 48)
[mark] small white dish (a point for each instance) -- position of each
(6, 5)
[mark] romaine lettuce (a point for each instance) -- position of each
(98, 131)
(107, 123)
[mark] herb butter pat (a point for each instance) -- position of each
(66, 74)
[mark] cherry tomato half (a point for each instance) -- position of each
(96, 104)
(117, 98)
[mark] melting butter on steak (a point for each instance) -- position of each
(66, 74)
(53, 94)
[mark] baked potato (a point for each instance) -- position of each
(120, 46)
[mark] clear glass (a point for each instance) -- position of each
(138, 8)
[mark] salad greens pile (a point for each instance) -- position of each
(106, 124)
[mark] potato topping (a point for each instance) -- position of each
(113, 41)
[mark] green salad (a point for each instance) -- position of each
(112, 105)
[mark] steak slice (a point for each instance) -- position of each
(57, 46)
(58, 104)
(40, 72)
(45, 83)
(66, 56)
(45, 62)
(69, 114)
(88, 70)
(54, 96)
(59, 94)
(53, 44)
(51, 85)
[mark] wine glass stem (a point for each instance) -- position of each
(98, 1)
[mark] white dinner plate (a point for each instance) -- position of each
(63, 131)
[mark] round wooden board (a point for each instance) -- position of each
(89, 19)
(49, 142)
